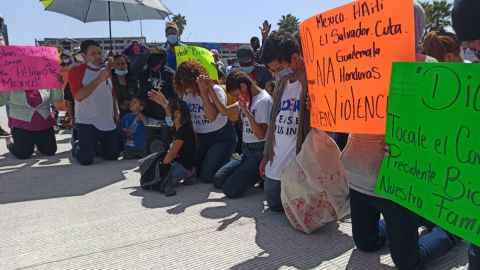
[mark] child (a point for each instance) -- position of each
(182, 150)
(133, 127)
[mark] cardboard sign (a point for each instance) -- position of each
(201, 55)
(28, 68)
(434, 133)
(348, 53)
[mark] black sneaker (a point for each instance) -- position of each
(4, 133)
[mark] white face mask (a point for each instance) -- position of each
(285, 73)
(248, 69)
(92, 65)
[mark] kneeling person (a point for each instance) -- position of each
(255, 105)
(133, 127)
(95, 107)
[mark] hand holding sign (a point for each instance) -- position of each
(348, 54)
(28, 68)
(433, 160)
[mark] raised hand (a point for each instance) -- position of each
(204, 84)
(265, 29)
(158, 97)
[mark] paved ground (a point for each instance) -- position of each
(56, 214)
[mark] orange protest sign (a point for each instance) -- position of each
(62, 106)
(348, 53)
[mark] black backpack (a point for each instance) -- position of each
(155, 174)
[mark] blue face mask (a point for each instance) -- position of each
(248, 69)
(169, 121)
(121, 72)
(92, 65)
(285, 73)
(172, 39)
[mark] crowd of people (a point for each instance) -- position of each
(225, 131)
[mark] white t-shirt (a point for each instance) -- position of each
(261, 109)
(286, 127)
(200, 121)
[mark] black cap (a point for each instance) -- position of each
(466, 19)
(244, 53)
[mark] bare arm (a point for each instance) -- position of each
(86, 91)
(172, 153)
(160, 99)
(204, 84)
(259, 130)
(225, 110)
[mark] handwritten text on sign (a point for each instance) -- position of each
(201, 55)
(434, 133)
(348, 54)
(28, 68)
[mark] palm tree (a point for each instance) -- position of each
(180, 21)
(437, 14)
(288, 23)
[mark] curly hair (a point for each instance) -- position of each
(186, 76)
(280, 46)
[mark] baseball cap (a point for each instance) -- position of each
(244, 53)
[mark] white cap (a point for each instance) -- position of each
(1, 16)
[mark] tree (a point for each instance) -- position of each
(437, 14)
(180, 21)
(288, 23)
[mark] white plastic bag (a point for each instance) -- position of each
(315, 185)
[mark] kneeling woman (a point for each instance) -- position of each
(216, 138)
(31, 121)
(255, 104)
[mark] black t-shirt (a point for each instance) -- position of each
(186, 155)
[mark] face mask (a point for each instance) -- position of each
(172, 39)
(66, 60)
(472, 54)
(92, 65)
(121, 72)
(248, 69)
(66, 52)
(245, 96)
(169, 121)
(285, 73)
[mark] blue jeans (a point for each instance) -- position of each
(240, 174)
(179, 172)
(88, 137)
(273, 189)
(473, 257)
(214, 150)
(400, 227)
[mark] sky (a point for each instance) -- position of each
(207, 20)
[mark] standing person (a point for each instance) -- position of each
(66, 58)
(31, 121)
(96, 108)
(173, 40)
(255, 105)
(152, 72)
(465, 19)
(126, 87)
(3, 42)
(216, 138)
(290, 120)
(222, 70)
(258, 73)
(362, 158)
(181, 154)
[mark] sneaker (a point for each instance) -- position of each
(4, 133)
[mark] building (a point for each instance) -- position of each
(119, 43)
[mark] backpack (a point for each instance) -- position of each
(155, 174)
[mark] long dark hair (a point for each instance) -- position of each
(235, 78)
(182, 107)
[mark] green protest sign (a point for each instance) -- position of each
(201, 55)
(433, 128)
